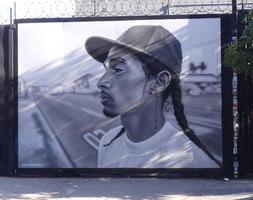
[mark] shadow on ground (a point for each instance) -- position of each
(118, 188)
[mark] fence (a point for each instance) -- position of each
(11, 9)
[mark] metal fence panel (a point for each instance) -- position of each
(83, 8)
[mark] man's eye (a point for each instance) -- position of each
(118, 70)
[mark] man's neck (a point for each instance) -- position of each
(143, 121)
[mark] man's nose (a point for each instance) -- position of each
(104, 82)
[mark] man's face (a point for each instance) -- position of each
(123, 86)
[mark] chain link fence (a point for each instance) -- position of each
(5, 12)
(11, 9)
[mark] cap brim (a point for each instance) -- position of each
(99, 47)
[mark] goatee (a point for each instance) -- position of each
(109, 114)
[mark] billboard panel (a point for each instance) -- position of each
(120, 94)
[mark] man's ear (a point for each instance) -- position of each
(163, 79)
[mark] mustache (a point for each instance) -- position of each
(105, 95)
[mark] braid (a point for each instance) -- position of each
(176, 96)
(118, 135)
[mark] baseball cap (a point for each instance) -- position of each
(154, 41)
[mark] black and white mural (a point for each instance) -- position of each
(120, 94)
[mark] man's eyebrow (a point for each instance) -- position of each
(115, 60)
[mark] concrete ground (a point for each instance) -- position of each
(124, 188)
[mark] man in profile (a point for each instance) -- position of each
(142, 71)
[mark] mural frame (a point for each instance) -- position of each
(227, 115)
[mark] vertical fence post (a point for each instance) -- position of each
(234, 6)
(11, 21)
(12, 120)
(15, 10)
(234, 13)
(235, 99)
(250, 129)
(95, 8)
(168, 7)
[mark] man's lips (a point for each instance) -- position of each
(105, 97)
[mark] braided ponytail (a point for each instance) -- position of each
(176, 96)
(118, 135)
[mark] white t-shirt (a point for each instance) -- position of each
(168, 148)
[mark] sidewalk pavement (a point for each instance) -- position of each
(124, 188)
